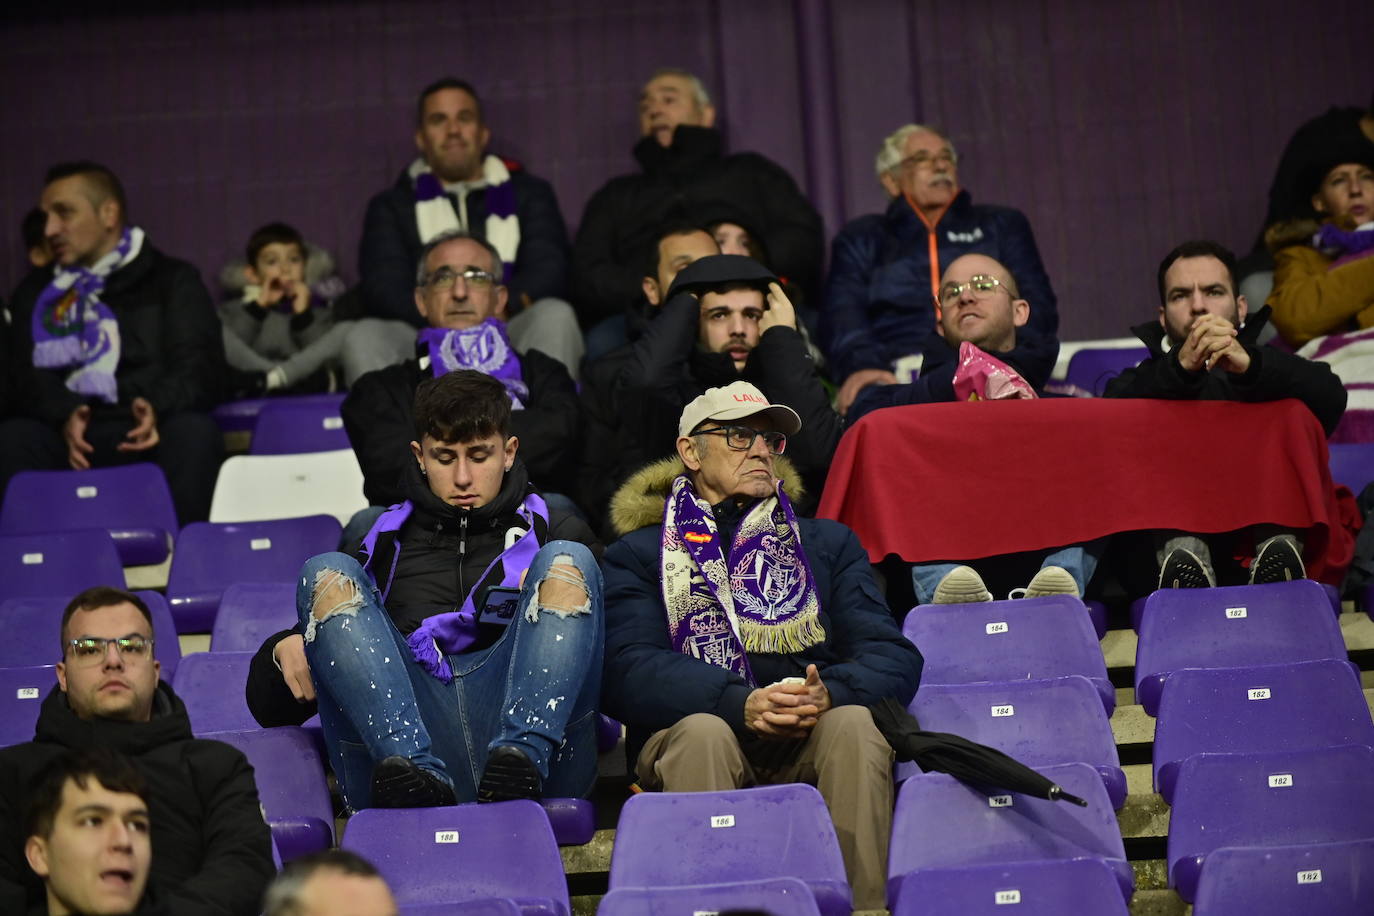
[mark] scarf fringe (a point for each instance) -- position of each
(786, 638)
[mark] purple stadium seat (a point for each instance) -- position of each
(57, 563)
(1276, 799)
(291, 785)
(942, 823)
(607, 734)
(464, 853)
(1093, 367)
(573, 819)
(250, 612)
(1032, 888)
(1097, 613)
(1352, 463)
(1333, 597)
(668, 839)
(775, 896)
(32, 625)
(1281, 880)
(491, 906)
(211, 684)
(1255, 710)
(21, 694)
(291, 427)
(241, 416)
(212, 556)
(1235, 627)
(1040, 723)
(132, 502)
(1009, 641)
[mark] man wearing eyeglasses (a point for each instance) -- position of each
(743, 643)
(979, 302)
(211, 848)
(885, 268)
(459, 296)
(453, 184)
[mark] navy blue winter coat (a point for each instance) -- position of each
(389, 252)
(649, 686)
(878, 304)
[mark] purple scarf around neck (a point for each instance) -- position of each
(441, 635)
(71, 326)
(485, 347)
(760, 597)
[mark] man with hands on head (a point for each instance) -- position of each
(1213, 356)
(743, 644)
(116, 351)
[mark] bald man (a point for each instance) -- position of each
(980, 303)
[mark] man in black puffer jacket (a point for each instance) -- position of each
(686, 175)
(212, 851)
(460, 643)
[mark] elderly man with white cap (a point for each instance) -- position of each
(744, 644)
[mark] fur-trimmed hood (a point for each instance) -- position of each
(639, 501)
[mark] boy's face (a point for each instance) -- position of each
(280, 265)
(465, 474)
(96, 857)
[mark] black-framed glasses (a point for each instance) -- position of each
(983, 286)
(90, 650)
(741, 438)
(445, 277)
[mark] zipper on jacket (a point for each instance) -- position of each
(462, 554)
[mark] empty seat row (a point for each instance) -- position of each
(209, 557)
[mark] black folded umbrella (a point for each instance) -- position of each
(965, 760)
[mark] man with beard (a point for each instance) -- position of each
(1213, 356)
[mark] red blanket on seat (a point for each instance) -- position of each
(968, 480)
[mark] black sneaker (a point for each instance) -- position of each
(398, 783)
(1278, 560)
(509, 774)
(1184, 569)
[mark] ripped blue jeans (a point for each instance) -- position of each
(536, 688)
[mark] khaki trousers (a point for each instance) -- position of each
(846, 759)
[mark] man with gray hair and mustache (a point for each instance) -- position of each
(879, 302)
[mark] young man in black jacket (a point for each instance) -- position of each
(212, 851)
(1213, 356)
(117, 352)
(725, 318)
(458, 647)
(458, 294)
(743, 644)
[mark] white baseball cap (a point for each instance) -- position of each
(736, 401)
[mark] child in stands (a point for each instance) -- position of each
(280, 335)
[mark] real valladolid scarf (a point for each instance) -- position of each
(434, 212)
(485, 348)
(73, 327)
(758, 597)
(441, 635)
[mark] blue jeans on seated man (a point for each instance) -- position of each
(1078, 560)
(536, 688)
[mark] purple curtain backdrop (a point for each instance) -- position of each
(1119, 128)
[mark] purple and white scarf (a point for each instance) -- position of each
(485, 347)
(441, 635)
(434, 213)
(760, 597)
(72, 327)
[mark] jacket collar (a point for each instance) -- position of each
(1151, 333)
(58, 724)
(692, 147)
(432, 513)
(904, 219)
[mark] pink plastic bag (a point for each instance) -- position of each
(982, 377)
